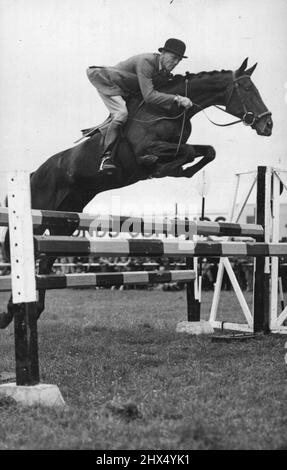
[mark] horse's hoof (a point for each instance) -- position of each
(5, 319)
(148, 161)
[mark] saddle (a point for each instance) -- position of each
(102, 128)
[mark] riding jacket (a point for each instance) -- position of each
(131, 76)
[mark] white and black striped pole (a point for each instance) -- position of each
(23, 278)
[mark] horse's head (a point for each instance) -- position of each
(244, 101)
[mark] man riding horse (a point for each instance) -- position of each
(134, 75)
(70, 179)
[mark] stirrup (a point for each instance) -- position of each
(107, 163)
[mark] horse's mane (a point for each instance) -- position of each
(203, 74)
(178, 79)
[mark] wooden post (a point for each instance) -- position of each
(275, 261)
(26, 344)
(262, 271)
(193, 305)
(194, 296)
(23, 278)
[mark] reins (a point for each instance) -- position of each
(161, 118)
(248, 117)
(217, 123)
(183, 114)
(155, 119)
(183, 121)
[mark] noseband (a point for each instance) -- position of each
(249, 118)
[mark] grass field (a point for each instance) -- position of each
(131, 382)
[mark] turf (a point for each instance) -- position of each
(131, 382)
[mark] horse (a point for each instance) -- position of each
(68, 180)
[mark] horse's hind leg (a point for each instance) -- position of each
(7, 317)
(12, 309)
(45, 267)
(46, 264)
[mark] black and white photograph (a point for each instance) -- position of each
(143, 228)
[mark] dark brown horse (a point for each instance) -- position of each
(68, 180)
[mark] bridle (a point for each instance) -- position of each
(249, 118)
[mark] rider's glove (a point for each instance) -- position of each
(183, 101)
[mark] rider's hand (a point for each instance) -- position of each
(183, 101)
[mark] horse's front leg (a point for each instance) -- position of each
(168, 151)
(206, 153)
(46, 264)
(188, 153)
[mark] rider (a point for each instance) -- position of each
(114, 84)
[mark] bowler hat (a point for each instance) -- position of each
(175, 46)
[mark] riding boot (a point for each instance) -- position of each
(111, 137)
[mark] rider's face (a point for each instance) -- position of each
(169, 60)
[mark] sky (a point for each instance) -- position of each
(46, 97)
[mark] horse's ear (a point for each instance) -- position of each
(251, 70)
(241, 68)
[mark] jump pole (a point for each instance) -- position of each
(224, 264)
(260, 321)
(261, 315)
(203, 189)
(27, 390)
(193, 308)
(275, 263)
(23, 280)
(193, 290)
(261, 300)
(276, 319)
